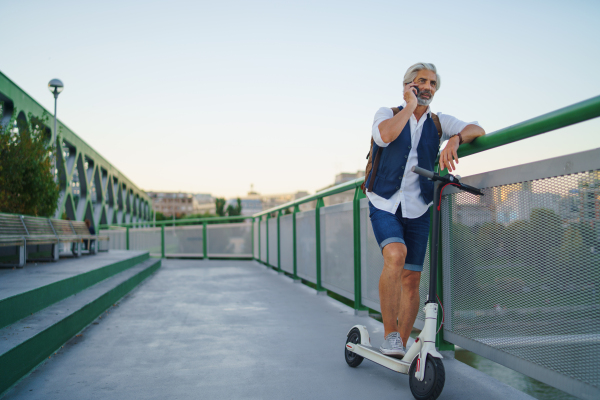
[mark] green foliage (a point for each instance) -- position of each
(160, 216)
(234, 211)
(220, 206)
(464, 254)
(489, 237)
(545, 236)
(516, 239)
(27, 185)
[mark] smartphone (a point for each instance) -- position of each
(416, 88)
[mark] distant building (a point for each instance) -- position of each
(519, 204)
(206, 208)
(169, 203)
(275, 200)
(472, 214)
(250, 206)
(346, 196)
(204, 198)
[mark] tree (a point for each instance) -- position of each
(220, 206)
(27, 185)
(544, 239)
(234, 211)
(160, 216)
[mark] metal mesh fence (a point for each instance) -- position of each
(273, 242)
(371, 260)
(263, 241)
(229, 240)
(337, 249)
(117, 238)
(521, 272)
(306, 252)
(147, 239)
(286, 226)
(184, 241)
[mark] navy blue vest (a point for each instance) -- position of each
(393, 158)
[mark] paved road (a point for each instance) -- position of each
(228, 330)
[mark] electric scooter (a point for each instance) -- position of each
(422, 362)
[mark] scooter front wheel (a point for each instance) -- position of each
(352, 358)
(433, 382)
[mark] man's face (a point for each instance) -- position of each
(426, 80)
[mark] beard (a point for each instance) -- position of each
(423, 101)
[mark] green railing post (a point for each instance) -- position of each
(320, 204)
(440, 343)
(204, 240)
(259, 237)
(279, 242)
(296, 210)
(127, 238)
(267, 240)
(252, 238)
(359, 309)
(162, 241)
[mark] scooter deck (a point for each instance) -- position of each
(375, 355)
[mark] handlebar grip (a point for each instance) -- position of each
(472, 189)
(422, 172)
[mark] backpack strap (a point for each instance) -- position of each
(438, 125)
(373, 162)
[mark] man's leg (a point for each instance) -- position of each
(408, 307)
(390, 285)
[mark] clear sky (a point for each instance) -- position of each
(212, 97)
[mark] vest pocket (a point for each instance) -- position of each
(385, 187)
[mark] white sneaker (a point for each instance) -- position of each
(392, 345)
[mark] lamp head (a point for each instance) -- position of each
(55, 86)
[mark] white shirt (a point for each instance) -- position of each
(409, 195)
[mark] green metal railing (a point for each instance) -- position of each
(179, 222)
(561, 118)
(91, 187)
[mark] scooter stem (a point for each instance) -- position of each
(435, 238)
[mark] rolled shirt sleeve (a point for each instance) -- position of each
(452, 126)
(381, 115)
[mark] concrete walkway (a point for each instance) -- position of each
(228, 330)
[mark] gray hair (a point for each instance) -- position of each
(413, 70)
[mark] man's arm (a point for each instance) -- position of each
(390, 128)
(449, 154)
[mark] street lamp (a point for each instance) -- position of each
(55, 86)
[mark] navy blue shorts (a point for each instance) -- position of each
(413, 233)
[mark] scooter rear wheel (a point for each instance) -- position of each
(433, 381)
(353, 359)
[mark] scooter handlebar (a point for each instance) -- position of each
(422, 172)
(447, 179)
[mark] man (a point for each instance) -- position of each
(399, 199)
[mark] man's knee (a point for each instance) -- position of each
(410, 281)
(394, 255)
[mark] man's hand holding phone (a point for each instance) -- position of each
(410, 94)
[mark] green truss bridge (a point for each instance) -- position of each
(91, 187)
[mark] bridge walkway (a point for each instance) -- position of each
(228, 330)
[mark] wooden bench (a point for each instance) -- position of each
(13, 234)
(66, 234)
(40, 232)
(82, 230)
